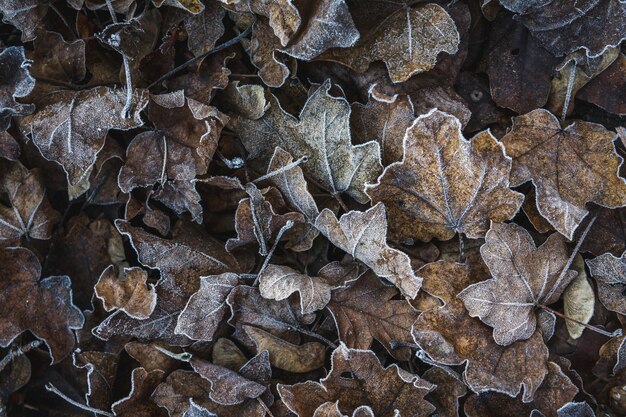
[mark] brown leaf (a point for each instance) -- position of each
(407, 38)
(524, 278)
(287, 356)
(608, 233)
(578, 300)
(69, 127)
(569, 167)
(133, 39)
(137, 403)
(363, 236)
(26, 301)
(446, 184)
(207, 308)
(604, 90)
(26, 15)
(365, 311)
(388, 391)
(127, 291)
(191, 6)
(449, 336)
(449, 389)
(555, 391)
(16, 82)
(205, 28)
(611, 358)
(610, 274)
(30, 214)
(322, 134)
(101, 368)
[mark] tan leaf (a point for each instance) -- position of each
(405, 36)
(287, 356)
(610, 273)
(284, 18)
(578, 300)
(524, 278)
(128, 292)
(446, 184)
(69, 127)
(192, 6)
(322, 134)
(207, 308)
(366, 311)
(449, 336)
(388, 391)
(247, 100)
(569, 166)
(363, 236)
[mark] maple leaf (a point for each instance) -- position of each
(406, 37)
(569, 166)
(30, 214)
(524, 278)
(207, 308)
(449, 336)
(16, 82)
(387, 391)
(26, 301)
(446, 184)
(70, 127)
(129, 292)
(610, 273)
(363, 236)
(365, 311)
(322, 134)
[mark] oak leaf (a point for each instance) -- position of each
(407, 37)
(42, 306)
(569, 166)
(610, 274)
(322, 134)
(525, 278)
(363, 236)
(388, 391)
(446, 184)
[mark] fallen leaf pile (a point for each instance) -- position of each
(323, 208)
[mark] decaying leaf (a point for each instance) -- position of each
(449, 336)
(363, 236)
(387, 391)
(446, 184)
(26, 15)
(569, 166)
(610, 273)
(366, 310)
(322, 134)
(42, 306)
(128, 292)
(578, 300)
(407, 37)
(525, 277)
(16, 82)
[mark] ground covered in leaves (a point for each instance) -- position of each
(329, 208)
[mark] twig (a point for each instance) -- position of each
(571, 259)
(267, 410)
(56, 391)
(279, 236)
(568, 94)
(281, 169)
(183, 357)
(313, 335)
(341, 203)
(461, 248)
(18, 352)
(618, 332)
(202, 56)
(127, 71)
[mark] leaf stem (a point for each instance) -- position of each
(588, 326)
(18, 352)
(56, 391)
(281, 169)
(279, 236)
(313, 335)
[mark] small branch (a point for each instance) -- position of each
(279, 236)
(202, 56)
(18, 352)
(571, 258)
(313, 335)
(183, 357)
(267, 410)
(126, 111)
(56, 391)
(281, 169)
(587, 326)
(461, 248)
(341, 203)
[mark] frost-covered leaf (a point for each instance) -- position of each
(446, 184)
(15, 82)
(26, 15)
(610, 273)
(570, 166)
(128, 292)
(363, 236)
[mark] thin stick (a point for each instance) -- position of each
(313, 335)
(18, 352)
(341, 203)
(129, 89)
(56, 391)
(281, 169)
(279, 236)
(461, 248)
(588, 326)
(568, 94)
(571, 258)
(202, 56)
(267, 410)
(183, 357)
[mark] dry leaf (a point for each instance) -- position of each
(16, 82)
(578, 300)
(363, 236)
(610, 274)
(128, 292)
(446, 184)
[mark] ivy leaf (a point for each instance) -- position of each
(26, 301)
(446, 184)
